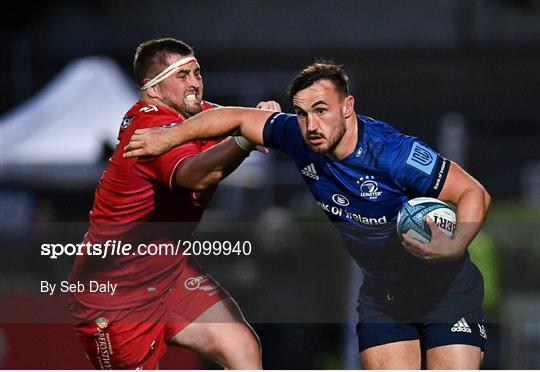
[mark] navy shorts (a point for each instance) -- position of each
(442, 315)
(430, 334)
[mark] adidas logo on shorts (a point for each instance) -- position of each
(461, 326)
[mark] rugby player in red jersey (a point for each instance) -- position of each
(166, 298)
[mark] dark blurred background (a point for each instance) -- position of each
(463, 75)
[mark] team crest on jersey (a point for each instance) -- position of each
(126, 122)
(369, 188)
(102, 322)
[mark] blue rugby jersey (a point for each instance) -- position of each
(363, 193)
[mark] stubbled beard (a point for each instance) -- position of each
(191, 110)
(318, 149)
(188, 111)
(329, 145)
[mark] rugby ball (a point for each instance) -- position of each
(410, 219)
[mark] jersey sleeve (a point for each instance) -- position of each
(281, 132)
(163, 168)
(416, 168)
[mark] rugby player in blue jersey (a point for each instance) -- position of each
(418, 307)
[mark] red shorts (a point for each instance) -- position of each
(136, 338)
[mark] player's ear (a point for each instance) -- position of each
(348, 106)
(152, 91)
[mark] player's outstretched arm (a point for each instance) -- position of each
(206, 169)
(249, 122)
(472, 202)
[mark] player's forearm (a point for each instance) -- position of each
(471, 211)
(221, 122)
(206, 169)
(206, 125)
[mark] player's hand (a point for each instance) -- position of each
(439, 249)
(148, 142)
(269, 105)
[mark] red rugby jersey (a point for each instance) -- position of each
(137, 201)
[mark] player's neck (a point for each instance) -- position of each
(154, 101)
(348, 142)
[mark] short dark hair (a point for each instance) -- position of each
(153, 53)
(320, 70)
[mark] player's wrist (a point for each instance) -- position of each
(458, 249)
(244, 143)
